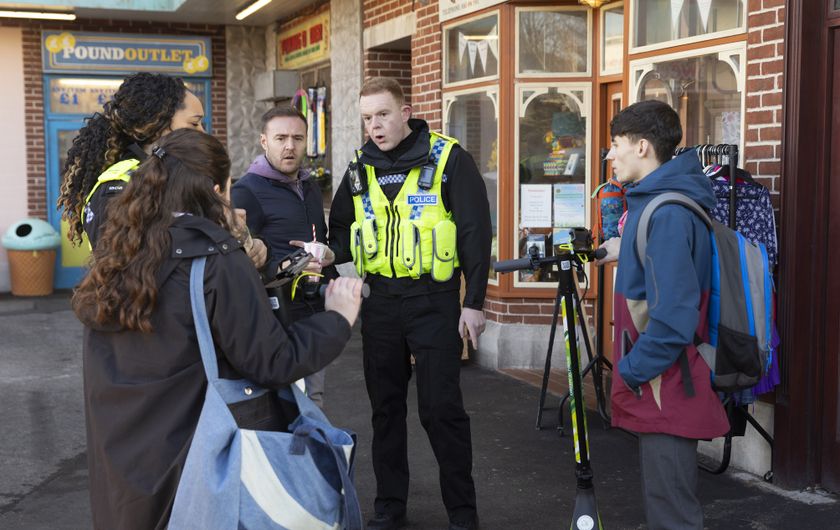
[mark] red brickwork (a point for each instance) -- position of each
(425, 52)
(765, 72)
(426, 65)
(377, 11)
(390, 63)
(526, 310)
(34, 89)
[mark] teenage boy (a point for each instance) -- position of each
(660, 305)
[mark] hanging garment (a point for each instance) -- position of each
(755, 220)
(753, 213)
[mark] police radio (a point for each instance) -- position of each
(358, 184)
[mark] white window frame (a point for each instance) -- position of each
(601, 48)
(585, 112)
(444, 49)
(491, 92)
(587, 73)
(631, 12)
(725, 52)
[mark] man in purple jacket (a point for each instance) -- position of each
(284, 206)
(660, 305)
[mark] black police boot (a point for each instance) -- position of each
(386, 521)
(464, 525)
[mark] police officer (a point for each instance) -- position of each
(114, 142)
(412, 214)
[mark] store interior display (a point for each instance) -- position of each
(552, 175)
(312, 103)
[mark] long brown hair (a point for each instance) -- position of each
(139, 112)
(121, 287)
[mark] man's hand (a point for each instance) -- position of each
(344, 296)
(612, 246)
(471, 324)
(323, 255)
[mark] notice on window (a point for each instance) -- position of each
(569, 205)
(535, 205)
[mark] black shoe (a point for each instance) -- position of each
(464, 525)
(386, 521)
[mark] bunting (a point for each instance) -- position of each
(705, 7)
(482, 54)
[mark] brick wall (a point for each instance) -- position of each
(528, 310)
(33, 79)
(765, 67)
(426, 65)
(425, 52)
(390, 63)
(377, 11)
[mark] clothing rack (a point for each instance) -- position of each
(708, 154)
(713, 153)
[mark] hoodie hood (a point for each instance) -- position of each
(262, 167)
(682, 174)
(409, 156)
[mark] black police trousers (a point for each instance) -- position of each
(426, 326)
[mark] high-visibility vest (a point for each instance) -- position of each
(120, 171)
(412, 235)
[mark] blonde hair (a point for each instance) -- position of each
(377, 85)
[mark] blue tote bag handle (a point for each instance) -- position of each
(202, 326)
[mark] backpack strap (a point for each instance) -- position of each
(670, 197)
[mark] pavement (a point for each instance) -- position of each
(524, 477)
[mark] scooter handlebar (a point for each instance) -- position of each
(511, 265)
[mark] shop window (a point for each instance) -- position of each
(553, 41)
(473, 118)
(552, 144)
(705, 90)
(662, 22)
(315, 78)
(471, 50)
(86, 95)
(76, 95)
(612, 39)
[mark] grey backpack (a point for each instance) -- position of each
(740, 306)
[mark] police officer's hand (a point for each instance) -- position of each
(612, 247)
(344, 296)
(471, 324)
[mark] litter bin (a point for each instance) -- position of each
(31, 245)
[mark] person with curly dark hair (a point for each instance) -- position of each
(144, 108)
(144, 381)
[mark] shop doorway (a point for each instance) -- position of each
(71, 259)
(611, 101)
(831, 371)
(68, 100)
(806, 449)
